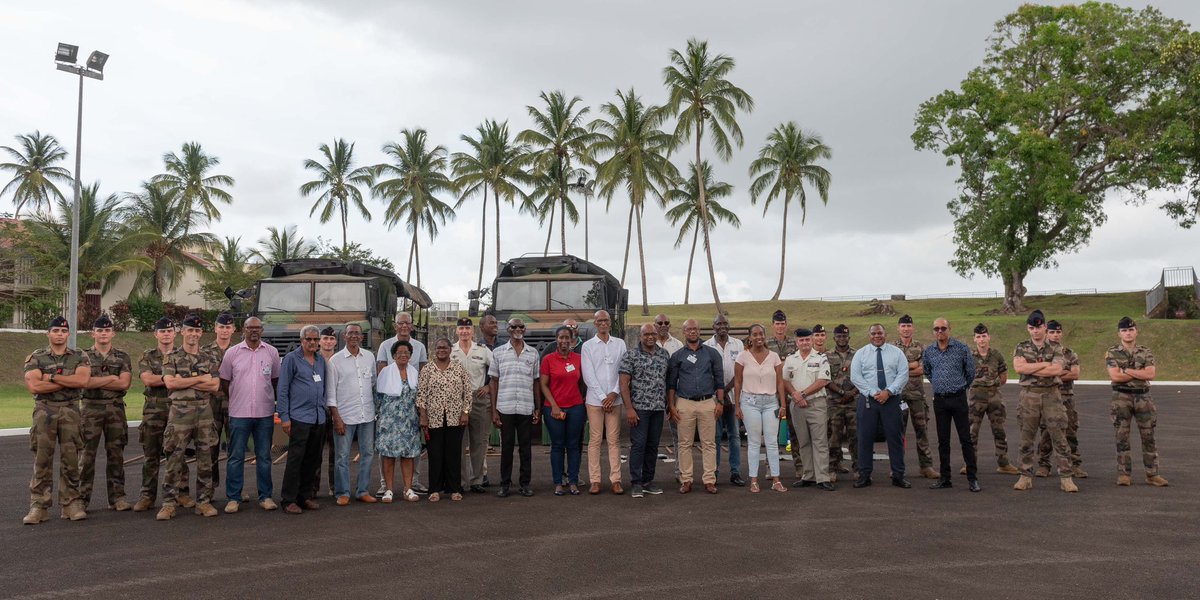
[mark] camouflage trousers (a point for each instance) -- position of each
(1072, 433)
(843, 429)
(1140, 408)
(189, 421)
(103, 418)
(918, 413)
(150, 434)
(220, 415)
(55, 425)
(987, 401)
(1038, 406)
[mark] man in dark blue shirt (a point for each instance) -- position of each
(951, 369)
(695, 396)
(300, 402)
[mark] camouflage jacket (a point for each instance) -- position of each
(117, 361)
(1070, 359)
(1033, 355)
(839, 369)
(46, 361)
(182, 364)
(913, 353)
(784, 349)
(1140, 358)
(990, 370)
(216, 351)
(152, 360)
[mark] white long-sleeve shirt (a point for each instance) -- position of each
(601, 361)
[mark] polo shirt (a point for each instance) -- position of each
(562, 376)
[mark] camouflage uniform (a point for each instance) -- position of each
(154, 423)
(1131, 401)
(220, 410)
(103, 414)
(843, 424)
(191, 419)
(918, 412)
(785, 349)
(1067, 391)
(991, 372)
(55, 423)
(1040, 401)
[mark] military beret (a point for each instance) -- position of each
(841, 328)
(58, 321)
(329, 332)
(818, 328)
(778, 317)
(981, 328)
(164, 323)
(804, 332)
(102, 322)
(465, 322)
(1126, 323)
(224, 319)
(193, 320)
(905, 319)
(1036, 319)
(1053, 325)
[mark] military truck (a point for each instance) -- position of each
(544, 291)
(326, 292)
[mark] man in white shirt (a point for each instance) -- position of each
(727, 424)
(403, 327)
(349, 394)
(476, 359)
(601, 359)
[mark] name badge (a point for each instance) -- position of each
(570, 368)
(903, 405)
(266, 371)
(316, 378)
(366, 374)
(692, 359)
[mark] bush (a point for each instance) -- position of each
(87, 316)
(144, 312)
(39, 312)
(6, 313)
(121, 317)
(1182, 299)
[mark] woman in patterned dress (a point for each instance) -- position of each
(397, 425)
(444, 401)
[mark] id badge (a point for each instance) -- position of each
(692, 359)
(316, 378)
(903, 405)
(266, 371)
(570, 368)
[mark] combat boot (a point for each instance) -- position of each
(1067, 485)
(184, 501)
(1156, 480)
(1043, 472)
(121, 505)
(143, 504)
(1024, 483)
(1122, 480)
(74, 511)
(1008, 470)
(1079, 473)
(166, 513)
(36, 515)
(928, 473)
(206, 510)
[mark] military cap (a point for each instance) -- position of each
(981, 328)
(465, 322)
(102, 322)
(1053, 325)
(804, 332)
(818, 328)
(905, 319)
(329, 332)
(224, 319)
(58, 321)
(778, 317)
(164, 323)
(193, 320)
(1036, 319)
(1126, 323)
(841, 328)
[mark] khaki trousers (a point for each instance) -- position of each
(811, 430)
(600, 423)
(693, 416)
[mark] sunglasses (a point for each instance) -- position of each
(518, 327)
(941, 329)
(312, 339)
(662, 322)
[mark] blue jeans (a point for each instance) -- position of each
(643, 446)
(366, 451)
(240, 430)
(761, 414)
(727, 423)
(566, 436)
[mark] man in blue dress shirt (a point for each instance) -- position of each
(300, 402)
(880, 371)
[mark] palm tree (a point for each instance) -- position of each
(684, 202)
(546, 197)
(629, 131)
(188, 178)
(337, 183)
(228, 265)
(418, 176)
(282, 245)
(560, 141)
(783, 165)
(171, 241)
(34, 171)
(701, 98)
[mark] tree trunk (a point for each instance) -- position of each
(642, 260)
(482, 238)
(787, 199)
(1014, 292)
(417, 254)
(345, 222)
(628, 239)
(549, 232)
(687, 286)
(411, 251)
(562, 199)
(703, 204)
(496, 202)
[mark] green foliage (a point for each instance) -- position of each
(560, 144)
(7, 310)
(166, 225)
(144, 311)
(39, 312)
(34, 171)
(355, 252)
(188, 179)
(228, 266)
(337, 184)
(1182, 298)
(281, 245)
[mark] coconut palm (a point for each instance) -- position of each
(282, 244)
(684, 211)
(338, 184)
(410, 185)
(560, 143)
(171, 242)
(189, 178)
(783, 166)
(702, 99)
(629, 133)
(546, 197)
(34, 172)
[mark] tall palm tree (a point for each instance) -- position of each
(628, 131)
(171, 241)
(337, 183)
(684, 212)
(783, 166)
(34, 172)
(546, 197)
(282, 244)
(188, 176)
(560, 144)
(417, 176)
(702, 98)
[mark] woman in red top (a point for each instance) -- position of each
(564, 411)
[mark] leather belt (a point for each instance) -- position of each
(697, 399)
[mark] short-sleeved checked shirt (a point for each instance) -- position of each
(517, 372)
(647, 377)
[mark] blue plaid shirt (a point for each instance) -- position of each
(950, 370)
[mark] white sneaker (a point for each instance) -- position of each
(387, 497)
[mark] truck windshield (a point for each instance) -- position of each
(284, 297)
(521, 295)
(342, 297)
(576, 294)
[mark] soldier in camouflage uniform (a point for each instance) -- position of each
(220, 399)
(55, 375)
(190, 374)
(991, 371)
(843, 426)
(914, 394)
(1054, 334)
(103, 414)
(783, 343)
(154, 411)
(1040, 365)
(1131, 368)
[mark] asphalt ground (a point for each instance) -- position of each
(877, 542)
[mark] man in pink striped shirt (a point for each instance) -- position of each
(249, 373)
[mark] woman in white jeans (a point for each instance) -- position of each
(759, 399)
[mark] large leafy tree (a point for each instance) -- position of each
(171, 243)
(355, 252)
(337, 184)
(703, 100)
(629, 133)
(683, 212)
(1070, 103)
(783, 166)
(227, 265)
(410, 185)
(281, 244)
(560, 141)
(189, 177)
(35, 171)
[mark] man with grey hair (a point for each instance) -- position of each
(349, 396)
(301, 406)
(404, 329)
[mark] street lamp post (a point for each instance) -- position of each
(65, 59)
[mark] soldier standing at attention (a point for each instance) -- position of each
(154, 413)
(819, 336)
(843, 428)
(1131, 368)
(991, 371)
(55, 375)
(189, 374)
(782, 342)
(914, 394)
(103, 414)
(327, 346)
(1054, 333)
(1040, 363)
(220, 398)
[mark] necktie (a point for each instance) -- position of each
(879, 369)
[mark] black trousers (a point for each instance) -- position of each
(873, 416)
(949, 408)
(326, 449)
(516, 429)
(445, 459)
(643, 446)
(303, 461)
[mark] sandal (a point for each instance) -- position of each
(435, 497)
(411, 496)
(456, 496)
(387, 497)
(778, 486)
(754, 486)
(558, 491)
(574, 490)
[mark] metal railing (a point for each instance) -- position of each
(1171, 277)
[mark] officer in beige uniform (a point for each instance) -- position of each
(476, 359)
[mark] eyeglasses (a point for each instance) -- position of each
(517, 327)
(662, 322)
(941, 329)
(312, 339)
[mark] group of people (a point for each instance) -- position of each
(402, 405)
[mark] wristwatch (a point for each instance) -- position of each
(52, 378)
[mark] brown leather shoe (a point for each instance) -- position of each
(344, 500)
(293, 509)
(685, 488)
(311, 505)
(710, 488)
(595, 489)
(367, 499)
(617, 489)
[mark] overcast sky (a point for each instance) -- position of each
(262, 84)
